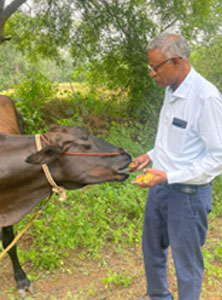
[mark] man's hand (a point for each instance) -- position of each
(159, 177)
(140, 162)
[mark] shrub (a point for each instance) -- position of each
(30, 97)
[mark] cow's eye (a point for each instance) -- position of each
(85, 137)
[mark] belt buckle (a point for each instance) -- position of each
(188, 190)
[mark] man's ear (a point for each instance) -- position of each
(45, 156)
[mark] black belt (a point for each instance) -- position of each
(189, 189)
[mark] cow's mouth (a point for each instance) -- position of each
(124, 171)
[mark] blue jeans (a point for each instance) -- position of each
(179, 220)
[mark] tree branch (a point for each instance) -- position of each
(2, 5)
(170, 24)
(10, 9)
(5, 13)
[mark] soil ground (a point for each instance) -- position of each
(117, 275)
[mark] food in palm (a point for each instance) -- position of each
(145, 178)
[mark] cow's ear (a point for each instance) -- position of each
(77, 141)
(65, 145)
(44, 156)
(56, 139)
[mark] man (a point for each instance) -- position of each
(186, 157)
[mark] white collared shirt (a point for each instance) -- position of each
(188, 144)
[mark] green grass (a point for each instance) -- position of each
(88, 219)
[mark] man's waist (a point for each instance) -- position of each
(190, 189)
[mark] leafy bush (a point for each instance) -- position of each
(89, 219)
(30, 97)
(217, 197)
(13, 66)
(134, 137)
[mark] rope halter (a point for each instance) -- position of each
(55, 188)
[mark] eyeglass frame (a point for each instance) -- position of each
(155, 68)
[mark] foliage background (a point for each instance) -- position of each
(87, 66)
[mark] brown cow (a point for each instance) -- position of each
(10, 119)
(23, 183)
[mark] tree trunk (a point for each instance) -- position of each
(5, 13)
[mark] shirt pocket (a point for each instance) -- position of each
(177, 138)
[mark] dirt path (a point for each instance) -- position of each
(118, 275)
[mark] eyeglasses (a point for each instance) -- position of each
(155, 68)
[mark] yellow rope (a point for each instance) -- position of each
(55, 188)
(19, 235)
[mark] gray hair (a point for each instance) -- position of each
(171, 45)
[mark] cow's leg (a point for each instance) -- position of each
(22, 282)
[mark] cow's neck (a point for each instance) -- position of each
(22, 185)
(15, 171)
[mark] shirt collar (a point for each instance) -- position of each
(183, 89)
